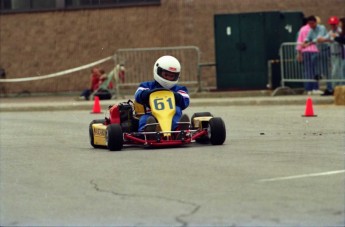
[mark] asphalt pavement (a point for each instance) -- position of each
(51, 102)
(276, 168)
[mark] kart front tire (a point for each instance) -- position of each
(216, 131)
(114, 137)
(92, 142)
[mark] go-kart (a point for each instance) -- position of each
(121, 126)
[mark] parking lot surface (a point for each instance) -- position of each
(276, 168)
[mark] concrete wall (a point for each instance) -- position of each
(47, 42)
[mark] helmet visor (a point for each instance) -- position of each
(165, 74)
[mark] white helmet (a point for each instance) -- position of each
(166, 71)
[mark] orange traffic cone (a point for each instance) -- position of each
(96, 106)
(309, 111)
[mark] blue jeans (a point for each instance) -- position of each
(86, 93)
(176, 118)
(341, 72)
(336, 71)
(310, 63)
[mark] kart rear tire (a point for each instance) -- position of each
(114, 137)
(216, 131)
(91, 132)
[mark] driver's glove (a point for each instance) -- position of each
(145, 95)
(178, 98)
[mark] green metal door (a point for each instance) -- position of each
(239, 50)
(245, 42)
(290, 23)
(227, 35)
(251, 51)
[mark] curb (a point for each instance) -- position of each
(67, 105)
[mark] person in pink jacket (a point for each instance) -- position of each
(307, 53)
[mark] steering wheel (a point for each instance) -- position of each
(158, 89)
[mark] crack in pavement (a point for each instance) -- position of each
(180, 218)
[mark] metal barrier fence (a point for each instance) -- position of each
(139, 65)
(138, 68)
(325, 64)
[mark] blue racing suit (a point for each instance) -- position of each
(181, 99)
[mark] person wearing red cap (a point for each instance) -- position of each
(335, 49)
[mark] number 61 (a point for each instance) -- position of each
(160, 104)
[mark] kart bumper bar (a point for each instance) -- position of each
(163, 142)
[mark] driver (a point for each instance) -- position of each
(166, 73)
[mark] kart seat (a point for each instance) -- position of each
(139, 109)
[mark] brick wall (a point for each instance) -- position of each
(34, 44)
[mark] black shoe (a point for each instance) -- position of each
(184, 122)
(327, 93)
(151, 126)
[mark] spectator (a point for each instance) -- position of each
(104, 90)
(341, 40)
(166, 73)
(94, 84)
(122, 73)
(335, 51)
(341, 37)
(308, 53)
(2, 86)
(2, 73)
(104, 79)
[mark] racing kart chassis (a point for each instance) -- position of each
(115, 132)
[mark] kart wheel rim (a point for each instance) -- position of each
(209, 133)
(106, 137)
